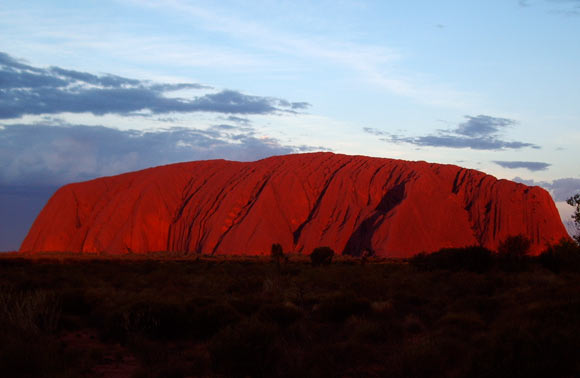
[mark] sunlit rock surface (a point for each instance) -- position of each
(394, 208)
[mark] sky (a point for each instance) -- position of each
(97, 88)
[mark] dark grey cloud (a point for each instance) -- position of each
(529, 165)
(373, 131)
(19, 207)
(300, 105)
(480, 132)
(561, 189)
(28, 90)
(452, 141)
(483, 126)
(57, 154)
(239, 120)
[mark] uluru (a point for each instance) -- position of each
(392, 208)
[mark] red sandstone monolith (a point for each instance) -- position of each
(352, 204)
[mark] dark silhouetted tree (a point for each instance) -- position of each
(277, 254)
(514, 246)
(564, 256)
(513, 252)
(321, 256)
(575, 201)
(474, 259)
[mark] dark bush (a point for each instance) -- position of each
(564, 256)
(282, 314)
(472, 259)
(208, 320)
(339, 307)
(524, 352)
(246, 306)
(29, 325)
(74, 302)
(167, 321)
(512, 254)
(29, 312)
(277, 255)
(321, 256)
(160, 321)
(514, 247)
(246, 349)
(575, 201)
(219, 317)
(31, 357)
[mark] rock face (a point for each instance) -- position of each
(351, 203)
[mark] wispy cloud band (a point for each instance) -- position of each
(529, 165)
(480, 132)
(28, 90)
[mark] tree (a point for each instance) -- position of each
(575, 201)
(321, 256)
(516, 247)
(513, 252)
(277, 254)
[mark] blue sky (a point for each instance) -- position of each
(97, 88)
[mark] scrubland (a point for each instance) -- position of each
(457, 313)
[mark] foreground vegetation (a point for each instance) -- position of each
(456, 313)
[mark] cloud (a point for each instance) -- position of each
(481, 132)
(239, 120)
(529, 165)
(561, 189)
(565, 188)
(482, 126)
(373, 131)
(20, 205)
(567, 7)
(563, 7)
(373, 63)
(28, 90)
(58, 154)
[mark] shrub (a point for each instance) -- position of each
(513, 252)
(564, 256)
(32, 357)
(514, 247)
(282, 314)
(208, 320)
(28, 324)
(166, 321)
(365, 330)
(277, 254)
(527, 351)
(29, 312)
(246, 349)
(75, 302)
(575, 201)
(473, 259)
(321, 256)
(339, 307)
